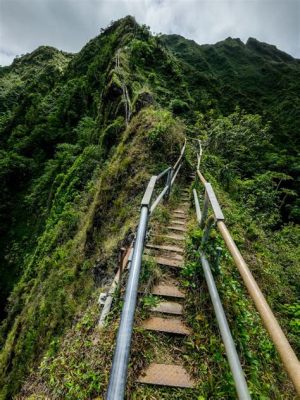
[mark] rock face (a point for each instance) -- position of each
(144, 99)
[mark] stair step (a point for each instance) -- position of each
(172, 236)
(168, 325)
(166, 290)
(173, 256)
(177, 228)
(166, 375)
(169, 262)
(177, 222)
(168, 307)
(179, 211)
(175, 249)
(182, 217)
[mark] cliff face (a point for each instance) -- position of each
(80, 134)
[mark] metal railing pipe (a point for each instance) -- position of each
(279, 339)
(118, 374)
(175, 174)
(207, 228)
(169, 181)
(232, 356)
(119, 369)
(205, 210)
(200, 154)
(287, 354)
(163, 173)
(180, 157)
(197, 205)
(214, 202)
(166, 189)
(201, 177)
(158, 199)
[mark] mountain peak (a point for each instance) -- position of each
(268, 50)
(229, 39)
(39, 56)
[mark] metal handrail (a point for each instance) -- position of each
(119, 369)
(180, 157)
(163, 173)
(232, 356)
(287, 354)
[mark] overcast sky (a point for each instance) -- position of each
(69, 24)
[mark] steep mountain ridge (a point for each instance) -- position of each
(272, 51)
(64, 146)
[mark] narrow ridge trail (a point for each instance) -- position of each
(166, 318)
(125, 95)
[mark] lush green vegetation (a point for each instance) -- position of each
(259, 79)
(72, 172)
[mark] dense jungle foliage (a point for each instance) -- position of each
(80, 134)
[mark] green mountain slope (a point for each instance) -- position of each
(70, 166)
(80, 135)
(260, 79)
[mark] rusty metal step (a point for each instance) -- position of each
(179, 211)
(167, 290)
(177, 222)
(175, 249)
(179, 216)
(167, 325)
(169, 262)
(177, 228)
(172, 255)
(173, 236)
(168, 307)
(166, 375)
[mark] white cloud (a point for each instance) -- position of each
(6, 57)
(69, 24)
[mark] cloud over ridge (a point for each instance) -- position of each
(69, 24)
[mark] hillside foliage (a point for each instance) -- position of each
(80, 135)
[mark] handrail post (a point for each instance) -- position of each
(169, 181)
(205, 210)
(208, 226)
(198, 210)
